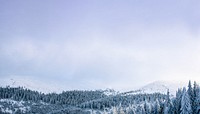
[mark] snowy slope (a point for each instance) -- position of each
(159, 87)
(41, 86)
(18, 105)
(30, 83)
(110, 92)
(35, 84)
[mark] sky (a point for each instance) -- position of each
(97, 44)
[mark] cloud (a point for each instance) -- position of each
(145, 55)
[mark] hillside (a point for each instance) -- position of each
(159, 87)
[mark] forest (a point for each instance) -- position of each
(22, 100)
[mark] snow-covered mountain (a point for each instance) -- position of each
(159, 87)
(30, 83)
(81, 102)
(34, 84)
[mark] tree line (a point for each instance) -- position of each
(186, 101)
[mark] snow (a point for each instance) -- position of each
(24, 109)
(10, 102)
(159, 87)
(30, 83)
(13, 102)
(38, 85)
(110, 92)
(7, 111)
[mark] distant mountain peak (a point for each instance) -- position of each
(47, 87)
(159, 87)
(30, 83)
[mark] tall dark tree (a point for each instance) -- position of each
(168, 107)
(195, 99)
(157, 109)
(191, 94)
(185, 103)
(177, 102)
(198, 102)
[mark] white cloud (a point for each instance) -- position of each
(157, 54)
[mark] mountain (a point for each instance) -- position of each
(35, 84)
(21, 100)
(30, 83)
(159, 87)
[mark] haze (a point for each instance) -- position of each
(96, 44)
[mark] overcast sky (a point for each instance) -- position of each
(92, 44)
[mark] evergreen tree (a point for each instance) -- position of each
(196, 95)
(157, 107)
(177, 102)
(121, 111)
(185, 103)
(147, 107)
(198, 102)
(168, 107)
(114, 110)
(140, 110)
(191, 94)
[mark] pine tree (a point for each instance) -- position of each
(168, 107)
(114, 110)
(121, 111)
(130, 110)
(195, 93)
(140, 110)
(198, 102)
(147, 107)
(157, 107)
(177, 102)
(185, 103)
(191, 94)
(168, 98)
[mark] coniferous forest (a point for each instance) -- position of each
(21, 100)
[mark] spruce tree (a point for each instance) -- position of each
(177, 102)
(191, 94)
(198, 102)
(196, 95)
(157, 107)
(185, 103)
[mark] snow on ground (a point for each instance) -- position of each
(6, 111)
(13, 102)
(17, 105)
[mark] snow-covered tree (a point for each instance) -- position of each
(157, 107)
(114, 110)
(121, 111)
(191, 94)
(198, 102)
(196, 97)
(168, 106)
(140, 110)
(185, 103)
(147, 107)
(177, 102)
(130, 109)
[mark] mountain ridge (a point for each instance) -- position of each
(153, 87)
(159, 87)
